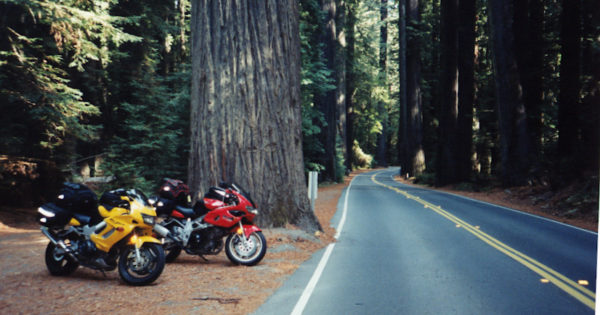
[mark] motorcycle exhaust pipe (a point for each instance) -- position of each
(99, 227)
(58, 243)
(164, 232)
(161, 230)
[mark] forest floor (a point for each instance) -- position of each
(189, 285)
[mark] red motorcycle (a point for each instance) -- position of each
(226, 210)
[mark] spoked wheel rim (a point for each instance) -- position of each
(147, 263)
(57, 262)
(146, 268)
(249, 251)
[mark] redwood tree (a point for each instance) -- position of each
(415, 156)
(466, 88)
(447, 156)
(245, 108)
(569, 144)
(528, 30)
(380, 154)
(512, 118)
(327, 101)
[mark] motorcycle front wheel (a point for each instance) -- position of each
(59, 264)
(247, 253)
(144, 269)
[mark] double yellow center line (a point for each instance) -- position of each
(579, 292)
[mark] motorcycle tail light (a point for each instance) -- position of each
(46, 213)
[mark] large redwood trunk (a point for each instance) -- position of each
(512, 118)
(466, 88)
(245, 111)
(415, 155)
(447, 171)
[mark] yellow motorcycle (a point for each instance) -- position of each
(116, 231)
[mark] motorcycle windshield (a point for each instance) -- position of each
(139, 197)
(242, 192)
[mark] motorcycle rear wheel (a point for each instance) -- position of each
(248, 253)
(59, 264)
(171, 253)
(144, 271)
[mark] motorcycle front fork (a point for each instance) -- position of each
(138, 256)
(241, 232)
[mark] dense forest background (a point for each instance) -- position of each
(469, 92)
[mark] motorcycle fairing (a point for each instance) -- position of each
(115, 230)
(222, 217)
(249, 229)
(138, 241)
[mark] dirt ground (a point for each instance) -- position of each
(187, 286)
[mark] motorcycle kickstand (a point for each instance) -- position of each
(205, 260)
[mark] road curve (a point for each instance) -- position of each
(407, 250)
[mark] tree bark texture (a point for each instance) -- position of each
(415, 155)
(327, 101)
(512, 118)
(340, 71)
(466, 88)
(570, 85)
(403, 145)
(380, 155)
(447, 156)
(350, 82)
(590, 103)
(245, 109)
(528, 23)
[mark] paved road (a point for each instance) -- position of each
(405, 250)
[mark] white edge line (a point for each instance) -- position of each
(299, 308)
(310, 287)
(502, 207)
(343, 219)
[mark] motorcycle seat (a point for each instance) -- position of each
(200, 208)
(187, 212)
(86, 219)
(82, 218)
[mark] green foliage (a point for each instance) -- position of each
(82, 78)
(150, 133)
(340, 167)
(315, 80)
(361, 159)
(426, 178)
(41, 43)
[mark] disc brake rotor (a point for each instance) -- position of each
(142, 264)
(246, 248)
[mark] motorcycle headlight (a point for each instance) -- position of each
(149, 219)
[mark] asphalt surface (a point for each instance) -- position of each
(406, 250)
